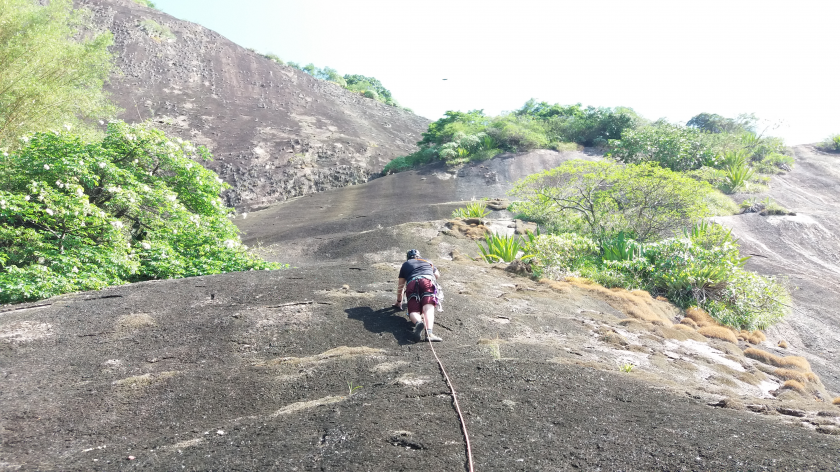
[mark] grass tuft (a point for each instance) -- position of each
(699, 316)
(794, 385)
(718, 332)
(783, 344)
(836, 401)
(790, 374)
(752, 337)
(768, 358)
(689, 322)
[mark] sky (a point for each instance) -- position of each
(666, 59)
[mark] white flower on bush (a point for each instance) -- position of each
(171, 144)
(231, 243)
(46, 167)
(219, 180)
(189, 166)
(146, 188)
(130, 137)
(50, 212)
(26, 198)
(101, 122)
(74, 269)
(117, 224)
(145, 245)
(24, 139)
(67, 126)
(80, 192)
(172, 197)
(101, 165)
(136, 161)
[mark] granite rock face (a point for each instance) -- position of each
(275, 131)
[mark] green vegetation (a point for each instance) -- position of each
(504, 248)
(132, 206)
(640, 226)
(472, 210)
(461, 137)
(156, 30)
(601, 199)
(831, 144)
(51, 74)
(368, 87)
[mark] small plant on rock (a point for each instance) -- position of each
(476, 209)
(503, 248)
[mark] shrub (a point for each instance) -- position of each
(146, 3)
(274, 58)
(831, 144)
(556, 256)
(774, 360)
(133, 206)
(645, 200)
(774, 163)
(400, 164)
(794, 385)
(675, 147)
(371, 94)
(472, 210)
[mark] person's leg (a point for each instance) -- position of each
(429, 315)
(415, 317)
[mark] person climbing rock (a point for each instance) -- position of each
(418, 278)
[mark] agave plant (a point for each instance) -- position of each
(472, 210)
(621, 247)
(503, 248)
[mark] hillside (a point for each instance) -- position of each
(255, 370)
(275, 131)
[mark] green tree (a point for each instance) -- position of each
(52, 69)
(133, 206)
(672, 146)
(644, 200)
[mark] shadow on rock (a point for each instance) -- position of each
(385, 320)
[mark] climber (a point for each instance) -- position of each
(418, 278)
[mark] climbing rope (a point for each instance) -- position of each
(454, 396)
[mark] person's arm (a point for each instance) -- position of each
(400, 289)
(437, 273)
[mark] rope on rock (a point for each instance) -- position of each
(454, 399)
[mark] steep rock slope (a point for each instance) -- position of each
(255, 371)
(276, 132)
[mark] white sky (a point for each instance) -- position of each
(664, 58)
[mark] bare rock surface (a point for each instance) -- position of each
(805, 249)
(257, 370)
(275, 131)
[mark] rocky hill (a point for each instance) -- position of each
(275, 131)
(257, 370)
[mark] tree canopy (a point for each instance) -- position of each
(52, 69)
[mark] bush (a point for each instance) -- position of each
(146, 3)
(674, 147)
(560, 255)
(400, 164)
(606, 198)
(774, 163)
(133, 206)
(831, 144)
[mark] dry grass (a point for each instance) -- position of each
(794, 385)
(135, 321)
(461, 228)
(836, 401)
(689, 322)
(718, 332)
(637, 303)
(783, 344)
(684, 327)
(768, 358)
(700, 317)
(561, 287)
(790, 374)
(752, 337)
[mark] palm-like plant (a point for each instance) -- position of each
(503, 248)
(476, 209)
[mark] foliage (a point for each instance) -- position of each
(274, 58)
(774, 163)
(645, 200)
(558, 255)
(675, 147)
(588, 126)
(714, 123)
(361, 84)
(51, 74)
(403, 163)
(477, 209)
(767, 206)
(735, 170)
(831, 144)
(621, 247)
(156, 30)
(503, 248)
(133, 206)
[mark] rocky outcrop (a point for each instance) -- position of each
(275, 131)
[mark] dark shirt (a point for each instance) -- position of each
(414, 267)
